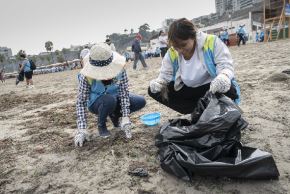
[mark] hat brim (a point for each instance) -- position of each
(106, 72)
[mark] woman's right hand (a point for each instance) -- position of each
(156, 85)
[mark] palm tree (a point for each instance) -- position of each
(144, 27)
(49, 46)
(132, 30)
(125, 31)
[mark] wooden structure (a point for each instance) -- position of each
(276, 23)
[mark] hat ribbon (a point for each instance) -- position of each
(101, 63)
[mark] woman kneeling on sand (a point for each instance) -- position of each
(103, 89)
(195, 63)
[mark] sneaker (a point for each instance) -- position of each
(104, 132)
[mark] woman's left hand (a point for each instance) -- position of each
(220, 84)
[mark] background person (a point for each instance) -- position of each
(84, 53)
(242, 35)
(136, 48)
(196, 62)
(2, 75)
(109, 42)
(225, 37)
(103, 90)
(26, 68)
(163, 43)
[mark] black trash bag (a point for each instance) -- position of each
(209, 144)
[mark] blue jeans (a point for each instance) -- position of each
(109, 105)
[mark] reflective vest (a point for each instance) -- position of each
(208, 53)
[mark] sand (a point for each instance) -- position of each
(37, 154)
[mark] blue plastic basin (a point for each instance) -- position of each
(151, 119)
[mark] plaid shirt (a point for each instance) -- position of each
(84, 93)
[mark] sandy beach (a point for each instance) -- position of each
(37, 153)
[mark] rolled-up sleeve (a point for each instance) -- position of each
(223, 59)
(166, 70)
(81, 105)
(123, 92)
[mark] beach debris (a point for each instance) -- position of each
(141, 172)
(287, 71)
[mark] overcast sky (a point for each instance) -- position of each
(28, 24)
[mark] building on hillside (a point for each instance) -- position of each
(231, 6)
(6, 52)
(251, 27)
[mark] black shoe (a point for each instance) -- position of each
(104, 132)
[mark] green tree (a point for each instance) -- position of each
(125, 31)
(59, 56)
(49, 46)
(132, 30)
(145, 27)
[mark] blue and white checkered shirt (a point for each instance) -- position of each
(84, 93)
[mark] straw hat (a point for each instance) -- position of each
(102, 63)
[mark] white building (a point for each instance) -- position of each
(233, 25)
(7, 52)
(229, 6)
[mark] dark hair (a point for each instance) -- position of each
(181, 29)
(160, 32)
(22, 54)
(108, 41)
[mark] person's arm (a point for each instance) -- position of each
(123, 92)
(166, 70)
(21, 67)
(224, 68)
(165, 75)
(81, 105)
(125, 105)
(223, 59)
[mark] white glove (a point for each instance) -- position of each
(156, 85)
(220, 84)
(126, 126)
(80, 137)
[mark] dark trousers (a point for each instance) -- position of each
(185, 100)
(137, 57)
(241, 38)
(108, 105)
(163, 51)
